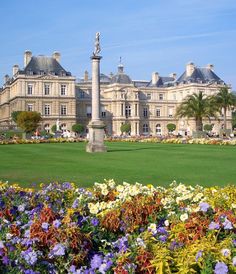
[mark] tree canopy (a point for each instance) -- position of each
(125, 128)
(28, 120)
(197, 106)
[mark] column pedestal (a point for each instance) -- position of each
(96, 137)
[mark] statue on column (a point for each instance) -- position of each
(58, 125)
(97, 48)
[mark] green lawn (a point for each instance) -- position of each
(157, 164)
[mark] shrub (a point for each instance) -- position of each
(54, 128)
(78, 128)
(125, 128)
(171, 127)
(208, 127)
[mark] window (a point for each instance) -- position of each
(81, 94)
(47, 127)
(29, 107)
(47, 110)
(161, 96)
(30, 89)
(103, 112)
(145, 112)
(158, 112)
(174, 96)
(63, 127)
(89, 111)
(127, 110)
(63, 110)
(149, 96)
(63, 89)
(145, 128)
(46, 89)
(170, 112)
(158, 129)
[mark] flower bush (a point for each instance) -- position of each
(112, 228)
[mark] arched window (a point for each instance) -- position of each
(63, 127)
(158, 129)
(145, 129)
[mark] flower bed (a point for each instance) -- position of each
(41, 141)
(117, 229)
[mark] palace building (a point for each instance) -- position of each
(43, 85)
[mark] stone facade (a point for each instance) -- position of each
(43, 85)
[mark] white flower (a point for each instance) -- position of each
(225, 252)
(184, 217)
(104, 191)
(152, 228)
(8, 236)
(166, 223)
(21, 208)
(233, 205)
(93, 208)
(1, 244)
(120, 188)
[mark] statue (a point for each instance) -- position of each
(58, 125)
(97, 48)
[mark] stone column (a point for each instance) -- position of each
(96, 125)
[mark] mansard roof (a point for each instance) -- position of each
(44, 65)
(162, 82)
(200, 75)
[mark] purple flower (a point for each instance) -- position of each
(56, 223)
(75, 203)
(1, 244)
(5, 260)
(221, 268)
(227, 224)
(94, 221)
(30, 256)
(161, 230)
(234, 261)
(204, 206)
(105, 266)
(96, 261)
(45, 226)
(213, 226)
(163, 238)
(58, 250)
(199, 255)
(234, 242)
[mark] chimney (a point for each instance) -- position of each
(111, 74)
(56, 55)
(15, 69)
(173, 75)
(210, 66)
(86, 76)
(155, 77)
(190, 69)
(27, 57)
(6, 78)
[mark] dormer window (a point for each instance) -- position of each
(29, 72)
(41, 72)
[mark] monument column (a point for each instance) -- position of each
(96, 125)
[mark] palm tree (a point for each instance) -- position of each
(225, 100)
(197, 106)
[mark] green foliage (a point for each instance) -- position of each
(8, 134)
(171, 127)
(125, 128)
(54, 128)
(225, 100)
(14, 115)
(208, 127)
(28, 120)
(198, 106)
(234, 119)
(78, 128)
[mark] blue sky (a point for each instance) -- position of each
(150, 35)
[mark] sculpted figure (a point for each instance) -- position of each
(97, 48)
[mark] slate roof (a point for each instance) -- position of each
(44, 65)
(121, 77)
(200, 75)
(162, 82)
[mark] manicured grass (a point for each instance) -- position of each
(157, 164)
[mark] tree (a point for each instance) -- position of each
(197, 106)
(54, 128)
(14, 115)
(208, 127)
(234, 120)
(78, 128)
(171, 127)
(125, 128)
(225, 100)
(28, 120)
